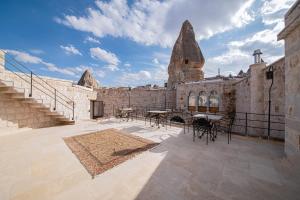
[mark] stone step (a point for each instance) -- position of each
(18, 96)
(54, 113)
(67, 122)
(32, 101)
(4, 83)
(39, 105)
(12, 90)
(20, 93)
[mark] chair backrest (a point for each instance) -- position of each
(231, 117)
(201, 122)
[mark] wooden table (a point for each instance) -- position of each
(158, 114)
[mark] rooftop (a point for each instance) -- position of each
(37, 164)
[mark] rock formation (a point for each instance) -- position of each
(187, 60)
(88, 80)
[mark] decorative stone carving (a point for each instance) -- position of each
(87, 80)
(187, 60)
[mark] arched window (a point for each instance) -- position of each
(213, 102)
(202, 102)
(192, 102)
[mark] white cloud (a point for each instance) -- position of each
(91, 40)
(36, 51)
(158, 22)
(155, 61)
(136, 78)
(110, 58)
(24, 57)
(112, 67)
(127, 65)
(100, 73)
(70, 49)
(27, 58)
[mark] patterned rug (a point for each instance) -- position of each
(102, 150)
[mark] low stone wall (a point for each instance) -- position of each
(114, 98)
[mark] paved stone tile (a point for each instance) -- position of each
(37, 164)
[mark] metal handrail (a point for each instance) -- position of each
(37, 88)
(7, 55)
(56, 97)
(31, 83)
(245, 120)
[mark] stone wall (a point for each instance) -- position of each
(291, 35)
(11, 111)
(277, 98)
(242, 103)
(114, 98)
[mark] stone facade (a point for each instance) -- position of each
(291, 36)
(223, 88)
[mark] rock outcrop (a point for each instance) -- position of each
(187, 60)
(87, 80)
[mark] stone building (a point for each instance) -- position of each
(291, 36)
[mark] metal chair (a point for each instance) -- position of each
(202, 126)
(226, 125)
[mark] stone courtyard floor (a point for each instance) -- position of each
(37, 164)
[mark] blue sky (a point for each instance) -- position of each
(130, 42)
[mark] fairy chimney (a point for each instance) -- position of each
(187, 60)
(87, 80)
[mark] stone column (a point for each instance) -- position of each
(291, 36)
(2, 61)
(256, 96)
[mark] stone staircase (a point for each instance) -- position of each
(14, 88)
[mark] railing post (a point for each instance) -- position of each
(54, 99)
(73, 110)
(113, 109)
(30, 95)
(246, 126)
(269, 120)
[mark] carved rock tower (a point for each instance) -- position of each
(187, 60)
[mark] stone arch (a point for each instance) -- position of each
(214, 101)
(192, 102)
(202, 101)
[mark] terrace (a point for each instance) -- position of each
(37, 164)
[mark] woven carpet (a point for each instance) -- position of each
(102, 150)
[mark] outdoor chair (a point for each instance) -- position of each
(175, 117)
(226, 124)
(148, 115)
(188, 120)
(202, 126)
(118, 113)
